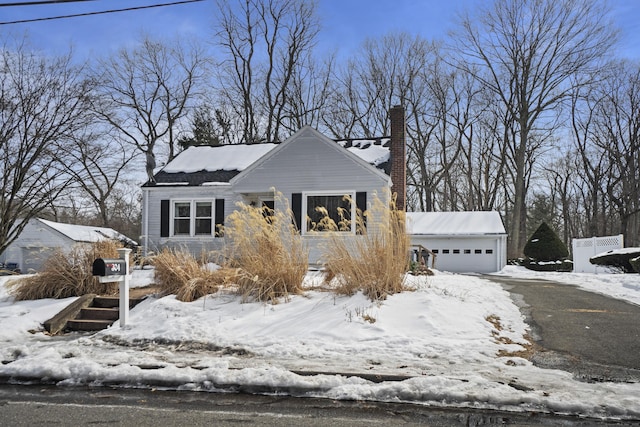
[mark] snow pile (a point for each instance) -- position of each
(451, 341)
(620, 286)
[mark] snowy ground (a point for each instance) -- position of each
(438, 336)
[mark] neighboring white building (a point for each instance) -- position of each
(40, 238)
(463, 242)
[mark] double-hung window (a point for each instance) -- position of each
(330, 212)
(192, 218)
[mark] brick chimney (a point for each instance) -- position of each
(398, 156)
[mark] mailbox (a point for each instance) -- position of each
(109, 267)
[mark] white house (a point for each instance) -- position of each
(462, 242)
(192, 195)
(40, 238)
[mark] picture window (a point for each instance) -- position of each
(330, 212)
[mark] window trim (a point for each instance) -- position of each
(192, 217)
(304, 220)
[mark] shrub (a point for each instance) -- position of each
(617, 259)
(67, 274)
(374, 262)
(545, 245)
(562, 266)
(635, 263)
(268, 249)
(178, 272)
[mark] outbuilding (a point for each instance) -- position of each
(40, 238)
(462, 242)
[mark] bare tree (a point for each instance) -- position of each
(382, 74)
(43, 101)
(531, 53)
(308, 94)
(98, 164)
(616, 135)
(265, 42)
(146, 90)
(483, 153)
(592, 165)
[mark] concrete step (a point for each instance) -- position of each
(97, 313)
(88, 324)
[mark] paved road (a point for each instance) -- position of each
(594, 336)
(46, 406)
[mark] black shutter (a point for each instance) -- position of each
(296, 207)
(361, 206)
(164, 218)
(219, 223)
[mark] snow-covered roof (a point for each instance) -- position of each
(373, 151)
(454, 223)
(235, 157)
(220, 163)
(86, 233)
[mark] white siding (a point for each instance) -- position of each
(34, 244)
(310, 162)
(307, 162)
(153, 242)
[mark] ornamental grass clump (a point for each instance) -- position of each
(179, 272)
(67, 274)
(266, 247)
(375, 260)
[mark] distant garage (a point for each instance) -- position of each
(41, 238)
(462, 242)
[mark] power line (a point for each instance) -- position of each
(99, 12)
(37, 3)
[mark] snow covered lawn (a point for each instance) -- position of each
(453, 338)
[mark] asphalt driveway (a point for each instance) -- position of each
(594, 336)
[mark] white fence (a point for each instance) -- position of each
(583, 249)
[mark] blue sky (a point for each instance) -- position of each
(346, 23)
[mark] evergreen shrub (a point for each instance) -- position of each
(635, 263)
(545, 251)
(545, 245)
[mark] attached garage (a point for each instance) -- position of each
(462, 242)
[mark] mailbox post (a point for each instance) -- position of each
(124, 288)
(116, 270)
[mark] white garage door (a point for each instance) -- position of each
(463, 255)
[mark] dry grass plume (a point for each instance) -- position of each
(268, 249)
(374, 262)
(67, 274)
(180, 273)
